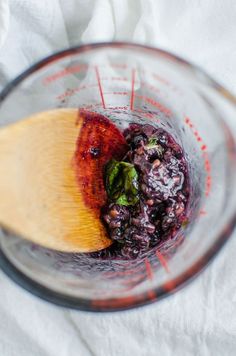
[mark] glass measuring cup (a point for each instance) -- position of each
(131, 83)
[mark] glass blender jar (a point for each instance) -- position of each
(131, 83)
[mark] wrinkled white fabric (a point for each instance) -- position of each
(199, 320)
(4, 20)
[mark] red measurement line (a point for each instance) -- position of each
(207, 164)
(132, 89)
(118, 93)
(120, 78)
(118, 108)
(64, 72)
(70, 92)
(160, 79)
(100, 87)
(116, 65)
(163, 261)
(148, 269)
(151, 87)
(155, 103)
(202, 212)
(145, 113)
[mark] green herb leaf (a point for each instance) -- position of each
(122, 200)
(153, 144)
(122, 182)
(112, 172)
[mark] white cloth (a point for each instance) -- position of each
(4, 20)
(199, 320)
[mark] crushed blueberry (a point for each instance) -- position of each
(94, 152)
(147, 193)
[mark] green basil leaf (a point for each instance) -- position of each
(113, 182)
(153, 144)
(131, 181)
(152, 141)
(122, 182)
(122, 200)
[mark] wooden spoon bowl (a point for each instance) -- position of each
(41, 199)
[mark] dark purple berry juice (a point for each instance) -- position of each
(147, 193)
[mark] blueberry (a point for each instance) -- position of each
(95, 152)
(164, 191)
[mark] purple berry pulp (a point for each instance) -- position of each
(162, 189)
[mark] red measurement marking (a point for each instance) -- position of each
(70, 92)
(148, 269)
(207, 165)
(145, 113)
(116, 65)
(208, 184)
(118, 93)
(163, 261)
(160, 79)
(205, 155)
(155, 103)
(118, 108)
(149, 86)
(202, 212)
(64, 72)
(100, 87)
(208, 188)
(132, 89)
(124, 79)
(203, 148)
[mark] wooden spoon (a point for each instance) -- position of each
(39, 196)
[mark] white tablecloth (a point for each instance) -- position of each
(199, 320)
